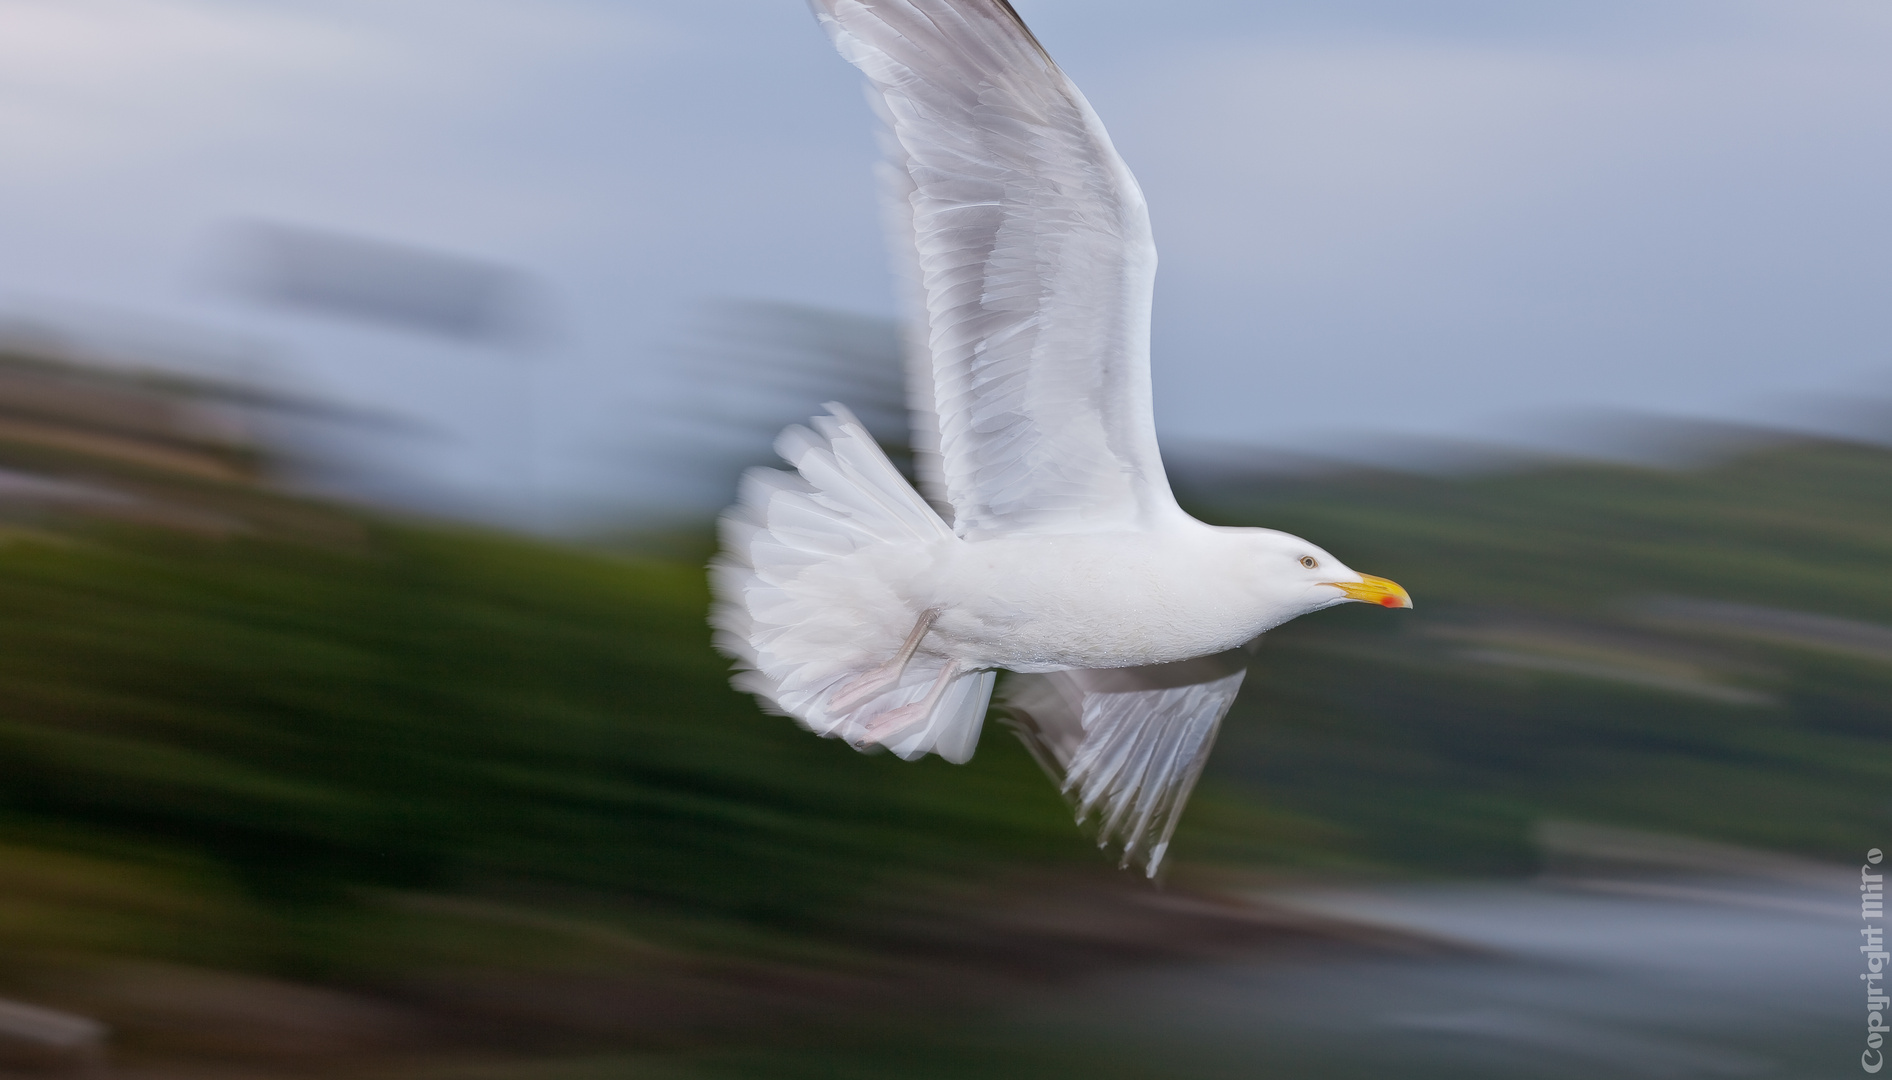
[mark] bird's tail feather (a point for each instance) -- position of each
(804, 607)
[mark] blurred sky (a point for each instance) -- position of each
(1374, 215)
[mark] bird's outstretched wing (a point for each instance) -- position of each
(1127, 744)
(1035, 267)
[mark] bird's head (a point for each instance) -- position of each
(1297, 577)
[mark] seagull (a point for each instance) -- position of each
(1043, 538)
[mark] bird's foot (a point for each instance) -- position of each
(894, 721)
(866, 687)
(872, 684)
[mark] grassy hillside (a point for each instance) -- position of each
(1588, 642)
(434, 710)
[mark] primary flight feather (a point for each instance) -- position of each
(1052, 546)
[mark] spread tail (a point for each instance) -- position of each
(806, 604)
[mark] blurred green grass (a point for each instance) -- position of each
(221, 752)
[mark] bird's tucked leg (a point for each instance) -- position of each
(894, 720)
(863, 687)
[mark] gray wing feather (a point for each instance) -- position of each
(1035, 268)
(896, 196)
(1127, 745)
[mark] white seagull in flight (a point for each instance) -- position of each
(1050, 543)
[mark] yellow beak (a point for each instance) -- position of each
(1374, 590)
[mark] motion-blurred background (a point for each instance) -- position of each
(370, 375)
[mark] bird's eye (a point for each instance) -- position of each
(1309, 562)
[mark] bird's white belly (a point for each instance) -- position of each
(1042, 603)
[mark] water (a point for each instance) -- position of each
(1687, 980)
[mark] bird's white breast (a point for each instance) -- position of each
(1092, 600)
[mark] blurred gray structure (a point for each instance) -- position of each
(756, 366)
(409, 288)
(750, 368)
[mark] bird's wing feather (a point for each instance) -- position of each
(1127, 744)
(896, 198)
(1035, 264)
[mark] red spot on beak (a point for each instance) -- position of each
(1389, 601)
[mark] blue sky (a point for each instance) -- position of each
(1443, 219)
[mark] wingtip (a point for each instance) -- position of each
(1019, 21)
(824, 11)
(1024, 31)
